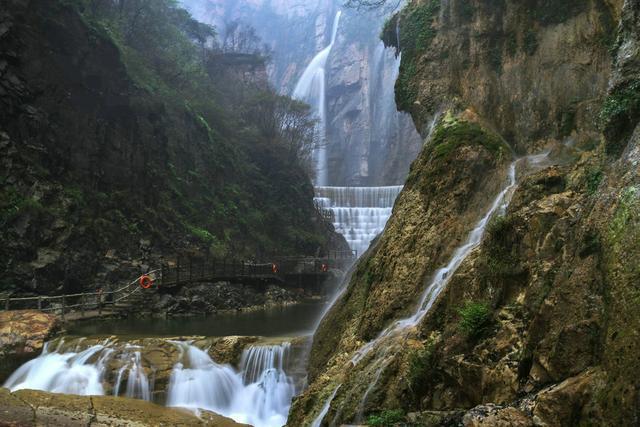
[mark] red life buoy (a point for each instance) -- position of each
(274, 267)
(325, 268)
(146, 282)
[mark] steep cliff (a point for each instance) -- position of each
(537, 323)
(117, 147)
(368, 141)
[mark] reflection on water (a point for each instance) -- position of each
(292, 320)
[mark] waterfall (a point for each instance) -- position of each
(71, 372)
(359, 213)
(311, 89)
(325, 409)
(442, 276)
(137, 382)
(259, 393)
(430, 294)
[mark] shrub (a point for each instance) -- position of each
(386, 418)
(594, 177)
(420, 367)
(452, 133)
(475, 318)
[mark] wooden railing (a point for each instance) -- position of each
(78, 303)
(184, 270)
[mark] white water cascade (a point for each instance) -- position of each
(430, 294)
(137, 385)
(70, 372)
(311, 89)
(444, 274)
(359, 213)
(259, 393)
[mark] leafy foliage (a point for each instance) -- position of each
(249, 190)
(386, 418)
(475, 318)
(452, 133)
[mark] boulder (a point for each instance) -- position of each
(22, 336)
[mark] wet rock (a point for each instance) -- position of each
(31, 408)
(496, 416)
(22, 336)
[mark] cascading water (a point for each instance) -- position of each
(57, 372)
(259, 394)
(311, 89)
(137, 385)
(360, 213)
(442, 276)
(431, 292)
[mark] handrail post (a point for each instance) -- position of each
(6, 303)
(63, 303)
(82, 305)
(40, 303)
(178, 270)
(99, 298)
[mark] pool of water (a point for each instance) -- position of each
(292, 320)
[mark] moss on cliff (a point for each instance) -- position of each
(451, 133)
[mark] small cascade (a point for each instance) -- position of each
(137, 385)
(325, 409)
(259, 394)
(442, 276)
(359, 213)
(311, 89)
(70, 373)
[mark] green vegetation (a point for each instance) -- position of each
(619, 115)
(13, 204)
(452, 133)
(594, 177)
(229, 173)
(416, 35)
(499, 261)
(420, 368)
(530, 42)
(475, 318)
(386, 418)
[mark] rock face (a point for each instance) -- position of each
(212, 298)
(22, 336)
(537, 324)
(35, 408)
(102, 175)
(368, 141)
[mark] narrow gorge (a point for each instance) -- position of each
(320, 213)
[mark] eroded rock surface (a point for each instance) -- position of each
(32, 408)
(22, 336)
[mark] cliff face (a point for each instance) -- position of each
(105, 167)
(368, 141)
(536, 325)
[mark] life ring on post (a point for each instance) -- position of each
(324, 268)
(274, 267)
(146, 282)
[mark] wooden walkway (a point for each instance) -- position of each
(285, 271)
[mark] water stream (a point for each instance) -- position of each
(431, 291)
(359, 213)
(258, 392)
(311, 89)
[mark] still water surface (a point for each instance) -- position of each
(292, 320)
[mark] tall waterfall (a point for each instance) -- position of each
(359, 213)
(311, 88)
(259, 393)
